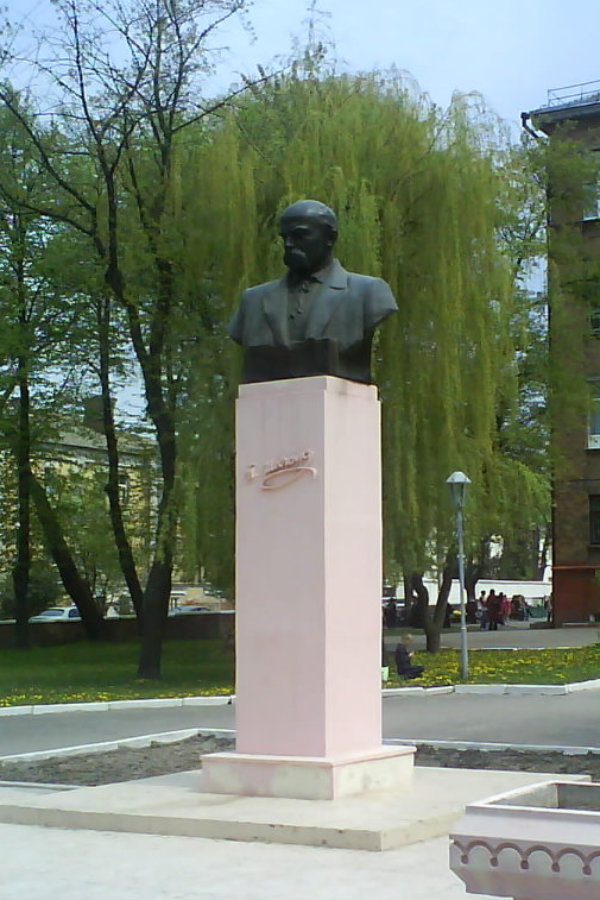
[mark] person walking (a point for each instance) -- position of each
(482, 610)
(493, 610)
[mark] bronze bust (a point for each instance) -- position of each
(318, 319)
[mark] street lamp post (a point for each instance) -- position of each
(457, 482)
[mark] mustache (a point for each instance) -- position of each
(293, 255)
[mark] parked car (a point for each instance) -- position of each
(175, 611)
(186, 610)
(58, 614)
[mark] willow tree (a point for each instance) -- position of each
(417, 197)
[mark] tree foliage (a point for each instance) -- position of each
(165, 206)
(422, 201)
(125, 78)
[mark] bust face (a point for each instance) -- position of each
(307, 244)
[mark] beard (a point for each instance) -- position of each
(296, 260)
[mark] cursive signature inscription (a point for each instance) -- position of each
(287, 470)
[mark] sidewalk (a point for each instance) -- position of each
(516, 636)
(47, 863)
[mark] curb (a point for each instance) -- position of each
(498, 689)
(406, 691)
(486, 746)
(170, 737)
(139, 742)
(107, 706)
(229, 699)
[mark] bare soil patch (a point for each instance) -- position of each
(128, 763)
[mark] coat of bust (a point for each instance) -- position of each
(318, 319)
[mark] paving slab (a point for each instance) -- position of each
(426, 807)
(72, 865)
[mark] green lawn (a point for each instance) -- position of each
(73, 673)
(553, 666)
(82, 672)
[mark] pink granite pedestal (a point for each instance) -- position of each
(308, 610)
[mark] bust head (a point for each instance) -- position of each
(309, 231)
(340, 314)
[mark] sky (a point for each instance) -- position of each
(512, 51)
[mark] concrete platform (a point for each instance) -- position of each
(426, 807)
(386, 769)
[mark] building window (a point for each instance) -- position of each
(595, 519)
(591, 202)
(595, 323)
(124, 489)
(591, 192)
(593, 442)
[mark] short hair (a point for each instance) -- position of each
(311, 209)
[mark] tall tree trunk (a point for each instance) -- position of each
(126, 560)
(76, 587)
(156, 606)
(23, 562)
(161, 410)
(422, 602)
(441, 605)
(158, 586)
(433, 620)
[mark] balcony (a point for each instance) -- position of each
(586, 93)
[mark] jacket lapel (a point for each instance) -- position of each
(327, 300)
(275, 310)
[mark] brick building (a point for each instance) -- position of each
(573, 115)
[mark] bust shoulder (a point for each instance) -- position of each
(367, 282)
(257, 291)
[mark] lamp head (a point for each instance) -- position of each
(457, 482)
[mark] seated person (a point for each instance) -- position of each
(403, 656)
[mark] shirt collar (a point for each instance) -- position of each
(322, 276)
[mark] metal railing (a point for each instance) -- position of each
(575, 94)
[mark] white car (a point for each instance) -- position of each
(58, 614)
(188, 610)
